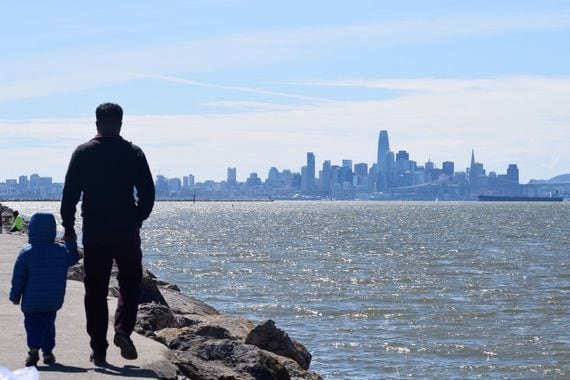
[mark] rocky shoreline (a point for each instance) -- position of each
(204, 344)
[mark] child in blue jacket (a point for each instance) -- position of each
(39, 279)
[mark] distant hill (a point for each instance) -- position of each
(563, 178)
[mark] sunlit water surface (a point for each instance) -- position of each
(381, 290)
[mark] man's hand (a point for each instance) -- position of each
(69, 235)
(16, 302)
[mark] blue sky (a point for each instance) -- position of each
(251, 84)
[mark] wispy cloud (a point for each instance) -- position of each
(249, 105)
(250, 90)
(522, 120)
(76, 70)
(432, 85)
(442, 85)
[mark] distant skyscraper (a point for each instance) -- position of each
(345, 175)
(326, 178)
(384, 162)
(361, 174)
(390, 168)
(476, 169)
(12, 186)
(448, 168)
(34, 183)
(310, 172)
(23, 184)
(335, 177)
(161, 184)
(253, 180)
(273, 177)
(174, 185)
(304, 180)
(402, 162)
(347, 164)
(287, 177)
(232, 177)
(476, 175)
(188, 182)
(402, 155)
(513, 173)
(296, 180)
(413, 166)
(361, 169)
(383, 149)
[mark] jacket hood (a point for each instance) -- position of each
(42, 228)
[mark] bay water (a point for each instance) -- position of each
(381, 289)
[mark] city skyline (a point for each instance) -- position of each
(382, 147)
(393, 176)
(254, 84)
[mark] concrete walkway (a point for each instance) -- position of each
(72, 342)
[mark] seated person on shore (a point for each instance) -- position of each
(39, 280)
(18, 223)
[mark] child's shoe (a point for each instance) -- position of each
(49, 358)
(33, 357)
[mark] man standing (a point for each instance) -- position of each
(108, 170)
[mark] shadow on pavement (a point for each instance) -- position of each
(127, 371)
(58, 367)
(109, 369)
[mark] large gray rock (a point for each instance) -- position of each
(181, 303)
(216, 327)
(7, 220)
(149, 290)
(152, 317)
(202, 358)
(76, 272)
(268, 337)
(214, 346)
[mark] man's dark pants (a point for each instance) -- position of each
(100, 250)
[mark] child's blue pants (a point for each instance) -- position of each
(40, 329)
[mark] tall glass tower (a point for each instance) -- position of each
(383, 149)
(310, 172)
(326, 178)
(385, 163)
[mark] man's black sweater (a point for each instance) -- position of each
(108, 170)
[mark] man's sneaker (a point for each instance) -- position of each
(128, 350)
(49, 358)
(33, 357)
(98, 359)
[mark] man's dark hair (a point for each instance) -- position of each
(109, 111)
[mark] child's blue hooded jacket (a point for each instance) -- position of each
(40, 271)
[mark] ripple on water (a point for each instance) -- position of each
(382, 290)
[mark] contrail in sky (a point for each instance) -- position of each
(250, 90)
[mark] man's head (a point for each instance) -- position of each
(109, 119)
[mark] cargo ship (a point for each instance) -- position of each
(505, 198)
